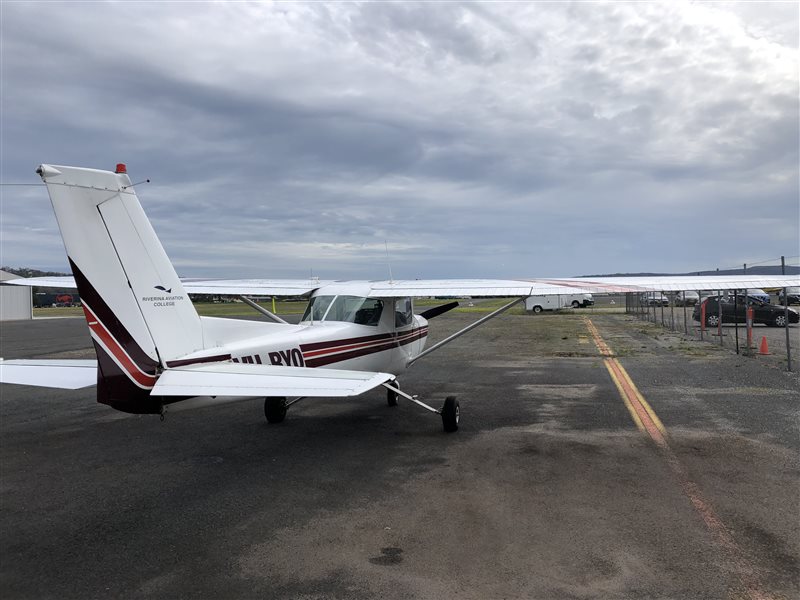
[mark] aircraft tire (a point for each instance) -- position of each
(275, 409)
(450, 414)
(391, 396)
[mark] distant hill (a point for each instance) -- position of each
(759, 270)
(26, 272)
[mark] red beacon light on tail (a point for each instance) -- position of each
(121, 168)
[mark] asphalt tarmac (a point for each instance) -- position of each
(549, 490)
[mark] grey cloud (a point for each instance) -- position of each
(496, 139)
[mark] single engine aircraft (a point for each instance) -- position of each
(156, 355)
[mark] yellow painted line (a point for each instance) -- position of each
(649, 409)
(648, 422)
(630, 396)
(627, 402)
(599, 342)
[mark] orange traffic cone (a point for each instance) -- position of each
(764, 349)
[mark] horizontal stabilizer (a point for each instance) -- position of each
(232, 379)
(64, 374)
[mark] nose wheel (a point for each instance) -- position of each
(450, 411)
(450, 414)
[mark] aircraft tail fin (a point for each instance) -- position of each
(138, 313)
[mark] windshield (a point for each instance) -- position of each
(346, 309)
(317, 307)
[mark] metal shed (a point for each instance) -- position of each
(15, 301)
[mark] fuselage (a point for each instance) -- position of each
(340, 329)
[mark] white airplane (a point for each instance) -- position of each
(155, 354)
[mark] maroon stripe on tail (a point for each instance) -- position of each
(107, 317)
(115, 388)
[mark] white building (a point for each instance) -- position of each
(15, 301)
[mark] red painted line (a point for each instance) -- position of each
(644, 416)
(598, 341)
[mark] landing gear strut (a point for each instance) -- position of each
(392, 395)
(275, 409)
(450, 411)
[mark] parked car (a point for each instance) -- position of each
(687, 298)
(792, 295)
(654, 299)
(772, 316)
(757, 293)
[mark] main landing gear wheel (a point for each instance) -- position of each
(391, 395)
(275, 409)
(450, 414)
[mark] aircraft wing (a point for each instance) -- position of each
(222, 287)
(465, 287)
(675, 283)
(575, 285)
(253, 287)
(235, 379)
(64, 374)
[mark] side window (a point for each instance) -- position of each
(403, 312)
(369, 313)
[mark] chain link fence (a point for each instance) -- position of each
(684, 313)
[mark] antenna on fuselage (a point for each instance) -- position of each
(388, 262)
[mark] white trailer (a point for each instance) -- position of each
(556, 301)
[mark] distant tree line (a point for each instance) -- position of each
(28, 272)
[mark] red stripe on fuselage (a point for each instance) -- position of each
(125, 361)
(341, 353)
(342, 345)
(194, 361)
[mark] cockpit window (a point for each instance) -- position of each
(403, 312)
(346, 309)
(317, 307)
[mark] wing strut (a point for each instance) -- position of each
(262, 310)
(447, 340)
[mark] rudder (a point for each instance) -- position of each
(138, 312)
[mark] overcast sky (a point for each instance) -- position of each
(477, 139)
